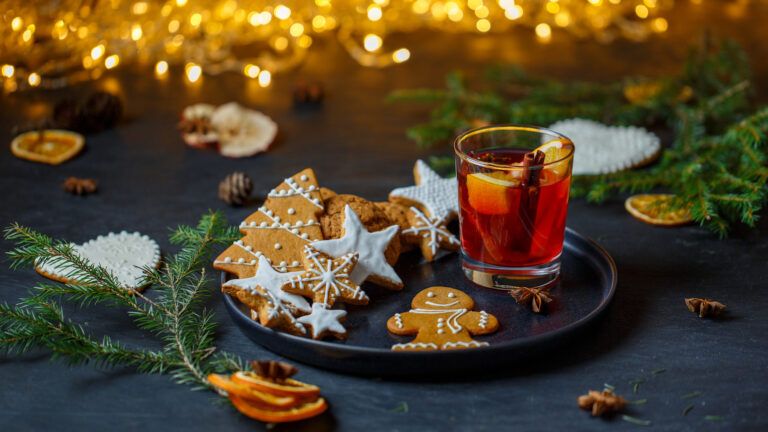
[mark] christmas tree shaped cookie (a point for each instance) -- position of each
(279, 230)
(442, 319)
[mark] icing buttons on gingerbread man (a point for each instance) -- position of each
(442, 319)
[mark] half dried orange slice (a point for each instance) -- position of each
(288, 387)
(253, 396)
(656, 209)
(47, 146)
(301, 412)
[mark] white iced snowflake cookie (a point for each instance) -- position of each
(324, 321)
(123, 255)
(370, 246)
(242, 132)
(436, 196)
(602, 149)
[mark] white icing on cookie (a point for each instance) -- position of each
(438, 196)
(369, 246)
(324, 319)
(329, 277)
(405, 346)
(271, 281)
(461, 344)
(121, 254)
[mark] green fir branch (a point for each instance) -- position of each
(175, 315)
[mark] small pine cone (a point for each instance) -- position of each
(274, 370)
(80, 186)
(308, 94)
(235, 188)
(705, 308)
(68, 114)
(101, 111)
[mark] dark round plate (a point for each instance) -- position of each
(587, 285)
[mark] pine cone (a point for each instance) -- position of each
(80, 186)
(308, 94)
(235, 188)
(68, 114)
(101, 111)
(275, 370)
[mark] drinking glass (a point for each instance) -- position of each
(513, 195)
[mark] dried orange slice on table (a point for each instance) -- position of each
(301, 412)
(254, 396)
(47, 146)
(287, 387)
(657, 209)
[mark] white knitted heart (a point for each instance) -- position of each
(602, 149)
(121, 254)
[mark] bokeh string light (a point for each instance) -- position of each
(56, 43)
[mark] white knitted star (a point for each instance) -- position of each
(437, 196)
(369, 246)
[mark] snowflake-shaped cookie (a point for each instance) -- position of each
(326, 279)
(436, 196)
(429, 233)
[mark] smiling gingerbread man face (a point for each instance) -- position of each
(439, 297)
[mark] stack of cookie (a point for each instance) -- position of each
(309, 243)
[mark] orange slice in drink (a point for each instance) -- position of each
(656, 209)
(252, 395)
(301, 412)
(288, 387)
(556, 150)
(488, 191)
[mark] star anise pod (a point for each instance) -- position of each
(275, 370)
(704, 307)
(308, 94)
(601, 403)
(536, 297)
(80, 186)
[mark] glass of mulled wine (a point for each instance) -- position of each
(513, 195)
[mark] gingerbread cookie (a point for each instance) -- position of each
(397, 214)
(432, 194)
(324, 321)
(369, 246)
(279, 230)
(124, 255)
(263, 293)
(442, 319)
(429, 233)
(326, 280)
(371, 216)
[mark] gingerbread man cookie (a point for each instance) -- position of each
(442, 319)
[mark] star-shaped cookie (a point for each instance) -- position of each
(324, 321)
(263, 293)
(326, 279)
(370, 247)
(429, 233)
(436, 196)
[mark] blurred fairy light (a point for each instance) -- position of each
(68, 42)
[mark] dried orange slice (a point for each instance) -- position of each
(301, 412)
(47, 146)
(288, 387)
(253, 396)
(656, 209)
(488, 191)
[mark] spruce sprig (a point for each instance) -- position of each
(716, 165)
(175, 314)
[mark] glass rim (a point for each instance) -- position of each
(508, 127)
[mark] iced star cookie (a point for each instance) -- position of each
(430, 234)
(442, 319)
(327, 280)
(436, 196)
(123, 255)
(324, 321)
(263, 294)
(370, 247)
(279, 230)
(372, 217)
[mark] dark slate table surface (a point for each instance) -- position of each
(150, 181)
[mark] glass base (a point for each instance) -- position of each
(506, 278)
